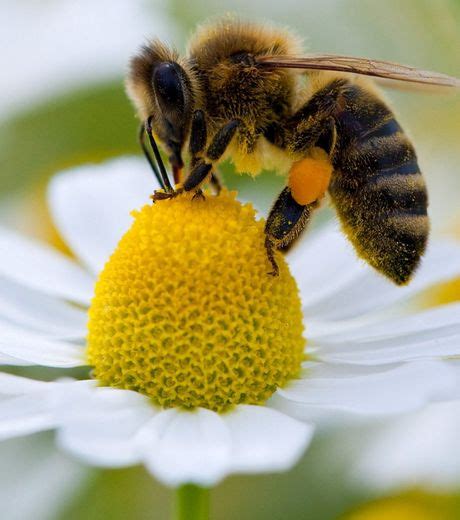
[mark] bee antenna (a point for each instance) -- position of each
(159, 168)
(148, 156)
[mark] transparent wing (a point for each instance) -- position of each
(377, 68)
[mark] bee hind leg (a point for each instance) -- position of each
(286, 221)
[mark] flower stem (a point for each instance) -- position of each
(192, 503)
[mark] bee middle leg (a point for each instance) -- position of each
(287, 219)
(216, 182)
(214, 152)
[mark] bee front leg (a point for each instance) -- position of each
(200, 170)
(286, 220)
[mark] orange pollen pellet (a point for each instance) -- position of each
(309, 178)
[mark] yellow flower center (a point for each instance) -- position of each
(408, 506)
(185, 312)
(441, 294)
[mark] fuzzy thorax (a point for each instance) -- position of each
(185, 312)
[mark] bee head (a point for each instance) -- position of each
(161, 89)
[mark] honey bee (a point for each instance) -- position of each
(248, 92)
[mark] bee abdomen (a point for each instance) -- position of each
(379, 192)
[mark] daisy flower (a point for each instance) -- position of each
(201, 364)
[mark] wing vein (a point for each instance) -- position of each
(364, 66)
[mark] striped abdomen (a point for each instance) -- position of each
(377, 188)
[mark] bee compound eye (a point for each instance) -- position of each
(168, 87)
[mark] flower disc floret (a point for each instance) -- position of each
(185, 312)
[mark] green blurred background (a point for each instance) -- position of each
(62, 103)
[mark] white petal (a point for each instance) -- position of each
(23, 415)
(455, 363)
(8, 360)
(29, 406)
(323, 264)
(91, 205)
(430, 334)
(419, 450)
(370, 292)
(17, 385)
(100, 425)
(181, 447)
(41, 312)
(91, 401)
(41, 268)
(265, 440)
(108, 427)
(370, 390)
(34, 348)
(37, 482)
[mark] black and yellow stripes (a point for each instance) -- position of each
(377, 187)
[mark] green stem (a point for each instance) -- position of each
(192, 503)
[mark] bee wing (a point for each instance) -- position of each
(377, 68)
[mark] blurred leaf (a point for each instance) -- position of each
(88, 125)
(124, 494)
